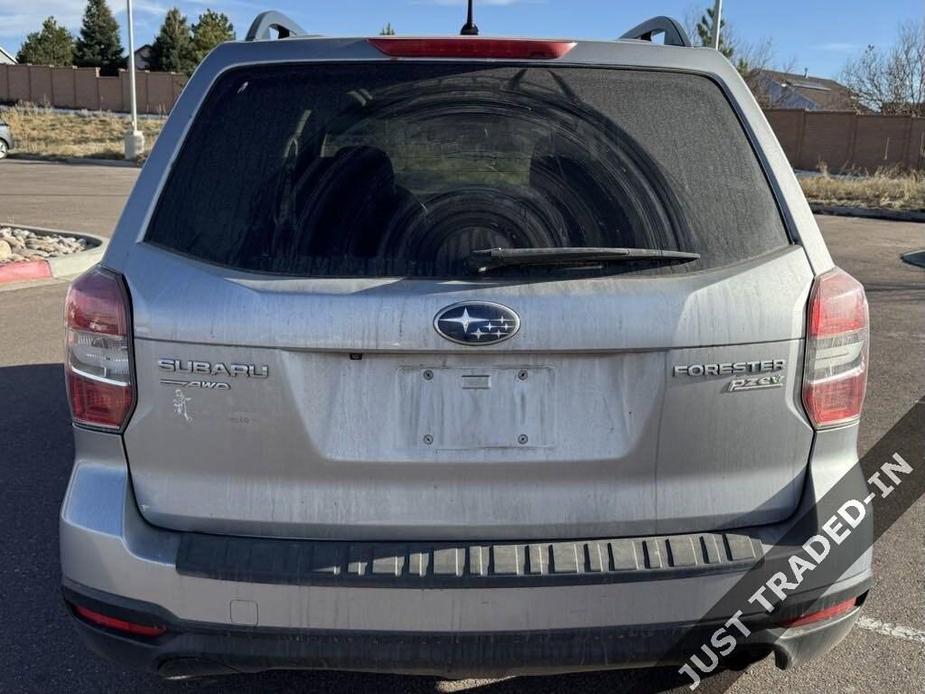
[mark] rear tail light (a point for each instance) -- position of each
(471, 47)
(835, 371)
(117, 624)
(97, 366)
(822, 615)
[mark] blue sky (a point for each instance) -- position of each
(817, 35)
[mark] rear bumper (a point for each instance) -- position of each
(116, 563)
(197, 649)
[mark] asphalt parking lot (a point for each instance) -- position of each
(39, 652)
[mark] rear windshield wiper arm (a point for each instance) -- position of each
(488, 258)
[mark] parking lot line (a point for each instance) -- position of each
(894, 630)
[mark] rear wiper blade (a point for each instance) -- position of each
(488, 258)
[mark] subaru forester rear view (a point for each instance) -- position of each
(460, 356)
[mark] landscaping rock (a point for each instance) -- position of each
(19, 245)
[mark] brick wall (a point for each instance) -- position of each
(849, 140)
(73, 87)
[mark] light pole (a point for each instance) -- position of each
(134, 138)
(717, 22)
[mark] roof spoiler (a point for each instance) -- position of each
(671, 28)
(271, 20)
(285, 27)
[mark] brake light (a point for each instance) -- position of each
(835, 371)
(122, 625)
(822, 615)
(97, 365)
(471, 47)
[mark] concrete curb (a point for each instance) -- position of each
(76, 160)
(55, 268)
(25, 271)
(869, 213)
(103, 162)
(915, 258)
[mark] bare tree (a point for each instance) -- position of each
(891, 80)
(758, 60)
(691, 18)
(750, 58)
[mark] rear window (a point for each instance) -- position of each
(403, 169)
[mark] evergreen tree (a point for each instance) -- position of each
(99, 44)
(53, 45)
(387, 30)
(212, 29)
(706, 29)
(172, 50)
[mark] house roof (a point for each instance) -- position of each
(6, 57)
(825, 94)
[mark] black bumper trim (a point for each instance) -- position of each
(475, 565)
(199, 649)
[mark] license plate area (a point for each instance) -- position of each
(452, 408)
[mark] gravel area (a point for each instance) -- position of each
(17, 245)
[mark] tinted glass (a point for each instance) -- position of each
(404, 169)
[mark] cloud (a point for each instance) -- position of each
(21, 18)
(143, 7)
(211, 4)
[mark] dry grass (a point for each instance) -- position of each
(43, 132)
(885, 189)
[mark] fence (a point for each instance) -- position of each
(83, 87)
(849, 140)
(841, 140)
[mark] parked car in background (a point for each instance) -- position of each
(460, 356)
(6, 140)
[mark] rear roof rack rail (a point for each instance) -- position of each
(675, 35)
(271, 20)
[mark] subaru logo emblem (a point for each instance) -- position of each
(477, 323)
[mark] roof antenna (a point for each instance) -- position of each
(469, 28)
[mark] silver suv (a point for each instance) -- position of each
(455, 356)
